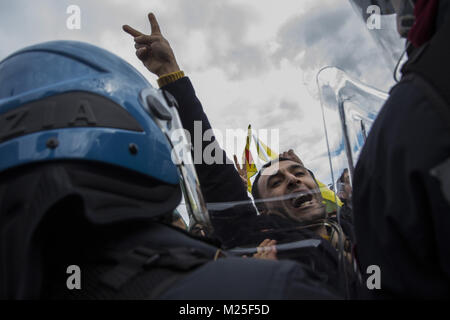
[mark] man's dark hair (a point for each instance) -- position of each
(255, 190)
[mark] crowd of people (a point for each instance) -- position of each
(136, 244)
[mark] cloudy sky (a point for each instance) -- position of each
(251, 61)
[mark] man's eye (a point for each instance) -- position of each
(300, 173)
(275, 184)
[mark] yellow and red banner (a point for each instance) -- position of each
(248, 160)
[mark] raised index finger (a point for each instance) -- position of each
(154, 24)
(131, 31)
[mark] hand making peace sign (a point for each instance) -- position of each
(153, 50)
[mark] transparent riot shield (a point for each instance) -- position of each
(349, 109)
(161, 106)
(283, 228)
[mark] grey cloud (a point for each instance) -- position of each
(244, 61)
(278, 115)
(25, 23)
(289, 106)
(29, 22)
(310, 28)
(225, 26)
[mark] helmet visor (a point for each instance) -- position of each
(161, 107)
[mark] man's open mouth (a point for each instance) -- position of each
(303, 200)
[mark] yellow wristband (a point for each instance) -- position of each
(169, 78)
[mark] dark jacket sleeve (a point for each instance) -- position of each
(219, 180)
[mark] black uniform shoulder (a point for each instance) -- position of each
(239, 278)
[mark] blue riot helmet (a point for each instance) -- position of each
(86, 147)
(66, 100)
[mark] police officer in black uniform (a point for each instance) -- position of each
(401, 193)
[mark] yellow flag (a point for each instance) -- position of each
(264, 152)
(330, 200)
(248, 160)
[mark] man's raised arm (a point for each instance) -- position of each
(220, 182)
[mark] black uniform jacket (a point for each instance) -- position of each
(401, 181)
